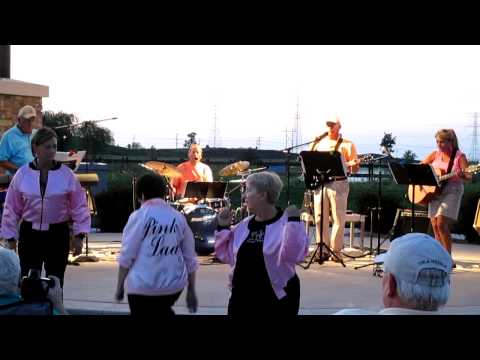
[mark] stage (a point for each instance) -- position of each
(326, 288)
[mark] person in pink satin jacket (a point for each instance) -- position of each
(43, 197)
(263, 250)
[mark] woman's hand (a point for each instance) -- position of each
(119, 294)
(225, 217)
(77, 244)
(12, 244)
(192, 301)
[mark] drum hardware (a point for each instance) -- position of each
(162, 168)
(87, 181)
(234, 169)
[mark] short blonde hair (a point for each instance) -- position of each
(267, 182)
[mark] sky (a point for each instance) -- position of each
(162, 93)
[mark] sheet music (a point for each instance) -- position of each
(65, 157)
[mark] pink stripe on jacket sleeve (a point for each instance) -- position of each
(79, 210)
(295, 244)
(187, 245)
(13, 209)
(224, 246)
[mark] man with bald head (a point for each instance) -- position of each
(335, 194)
(193, 170)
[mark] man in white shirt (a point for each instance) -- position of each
(416, 277)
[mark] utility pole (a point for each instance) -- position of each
(259, 142)
(286, 137)
(297, 124)
(474, 149)
(176, 141)
(215, 128)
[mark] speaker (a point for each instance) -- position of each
(403, 222)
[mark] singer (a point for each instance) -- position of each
(335, 193)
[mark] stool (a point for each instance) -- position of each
(356, 218)
(350, 218)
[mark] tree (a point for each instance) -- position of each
(63, 124)
(409, 156)
(136, 145)
(92, 137)
(388, 141)
(191, 140)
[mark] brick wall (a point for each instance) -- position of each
(9, 106)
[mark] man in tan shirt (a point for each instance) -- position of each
(335, 194)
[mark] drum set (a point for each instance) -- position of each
(203, 201)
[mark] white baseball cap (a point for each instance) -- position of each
(27, 112)
(334, 120)
(409, 254)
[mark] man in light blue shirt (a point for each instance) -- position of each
(15, 145)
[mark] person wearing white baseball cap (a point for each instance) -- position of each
(416, 277)
(335, 192)
(15, 145)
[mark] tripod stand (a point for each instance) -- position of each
(319, 168)
(378, 208)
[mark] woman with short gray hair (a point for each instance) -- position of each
(263, 250)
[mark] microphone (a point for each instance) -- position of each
(318, 138)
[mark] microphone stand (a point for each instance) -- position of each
(288, 150)
(379, 207)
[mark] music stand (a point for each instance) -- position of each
(318, 168)
(203, 190)
(413, 174)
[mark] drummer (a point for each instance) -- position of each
(192, 170)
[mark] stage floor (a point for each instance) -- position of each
(326, 288)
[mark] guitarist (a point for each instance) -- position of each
(335, 192)
(444, 208)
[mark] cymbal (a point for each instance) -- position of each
(162, 168)
(234, 168)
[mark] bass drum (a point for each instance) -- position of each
(202, 220)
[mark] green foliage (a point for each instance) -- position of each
(388, 141)
(92, 137)
(62, 124)
(409, 156)
(191, 140)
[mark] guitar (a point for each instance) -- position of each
(425, 193)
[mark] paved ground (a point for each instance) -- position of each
(325, 288)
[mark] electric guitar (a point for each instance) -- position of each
(425, 193)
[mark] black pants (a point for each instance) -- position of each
(142, 305)
(264, 303)
(44, 248)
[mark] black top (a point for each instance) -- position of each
(250, 274)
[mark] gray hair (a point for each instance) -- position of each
(9, 272)
(428, 293)
(267, 182)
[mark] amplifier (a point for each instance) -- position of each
(403, 222)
